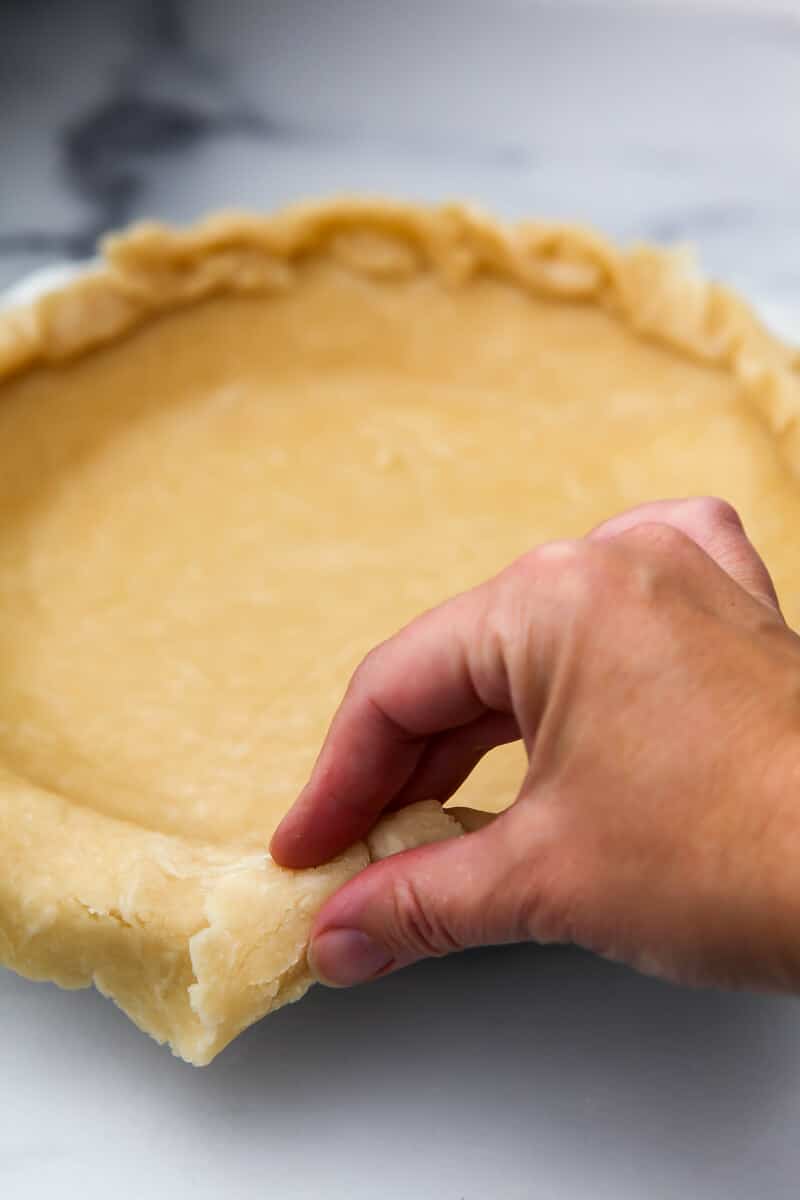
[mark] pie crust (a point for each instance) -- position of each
(234, 458)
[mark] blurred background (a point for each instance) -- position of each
(677, 121)
(508, 1074)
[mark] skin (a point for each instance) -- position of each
(656, 687)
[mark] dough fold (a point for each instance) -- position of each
(193, 943)
(236, 457)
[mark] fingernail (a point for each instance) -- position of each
(342, 957)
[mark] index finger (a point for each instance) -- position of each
(417, 684)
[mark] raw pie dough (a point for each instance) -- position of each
(235, 458)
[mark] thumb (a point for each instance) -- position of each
(468, 891)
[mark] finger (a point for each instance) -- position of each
(478, 889)
(451, 757)
(412, 687)
(715, 526)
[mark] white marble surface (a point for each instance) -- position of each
(648, 120)
(503, 1074)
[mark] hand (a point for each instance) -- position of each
(657, 690)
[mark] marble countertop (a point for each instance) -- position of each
(672, 122)
(507, 1074)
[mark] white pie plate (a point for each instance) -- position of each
(506, 1074)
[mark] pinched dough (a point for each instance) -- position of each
(234, 459)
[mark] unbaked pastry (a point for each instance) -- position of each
(234, 458)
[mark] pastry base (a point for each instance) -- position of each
(234, 460)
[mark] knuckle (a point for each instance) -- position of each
(540, 561)
(547, 914)
(360, 674)
(548, 871)
(659, 538)
(704, 521)
(565, 577)
(713, 511)
(550, 558)
(588, 576)
(367, 670)
(416, 925)
(564, 566)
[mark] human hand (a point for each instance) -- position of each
(657, 690)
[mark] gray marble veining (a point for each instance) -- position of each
(672, 124)
(509, 1074)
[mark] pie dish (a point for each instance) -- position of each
(237, 456)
